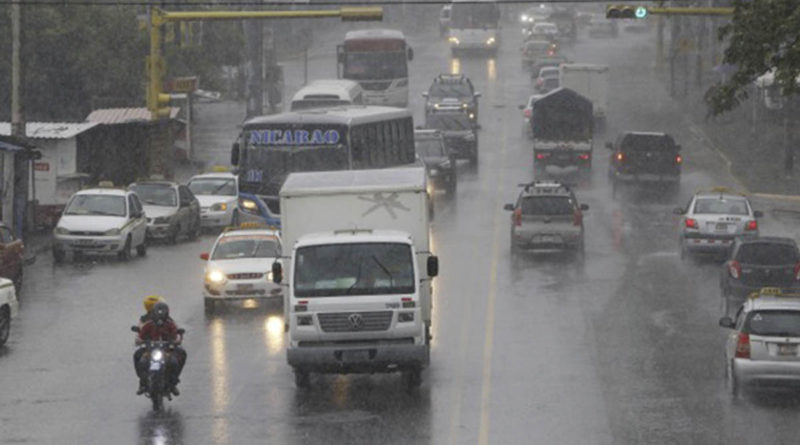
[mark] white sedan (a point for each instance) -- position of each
(218, 194)
(239, 266)
(8, 308)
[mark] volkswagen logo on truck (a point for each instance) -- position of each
(356, 322)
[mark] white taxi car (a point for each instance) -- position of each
(218, 194)
(101, 220)
(239, 266)
(8, 308)
(763, 347)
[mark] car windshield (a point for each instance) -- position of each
(233, 247)
(774, 323)
(449, 121)
(440, 89)
(547, 205)
(213, 186)
(721, 206)
(767, 254)
(103, 205)
(354, 269)
(156, 195)
(430, 148)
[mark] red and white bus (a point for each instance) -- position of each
(378, 60)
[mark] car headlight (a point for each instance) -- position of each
(248, 204)
(219, 207)
(464, 106)
(215, 276)
(161, 220)
(436, 106)
(472, 115)
(490, 41)
(269, 276)
(453, 40)
(112, 232)
(61, 231)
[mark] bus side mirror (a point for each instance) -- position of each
(410, 53)
(235, 154)
(433, 266)
(339, 54)
(277, 272)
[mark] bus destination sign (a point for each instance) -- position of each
(294, 137)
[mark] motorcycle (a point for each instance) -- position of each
(156, 381)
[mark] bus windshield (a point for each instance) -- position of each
(375, 65)
(474, 15)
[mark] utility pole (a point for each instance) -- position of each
(254, 49)
(17, 120)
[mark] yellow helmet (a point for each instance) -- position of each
(150, 301)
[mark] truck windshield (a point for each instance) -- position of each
(353, 269)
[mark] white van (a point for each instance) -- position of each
(327, 93)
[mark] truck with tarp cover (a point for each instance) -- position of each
(562, 123)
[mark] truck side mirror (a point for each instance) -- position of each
(433, 266)
(509, 207)
(277, 272)
(339, 54)
(726, 322)
(235, 153)
(425, 95)
(521, 107)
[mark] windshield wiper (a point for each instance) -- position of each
(385, 270)
(358, 278)
(98, 212)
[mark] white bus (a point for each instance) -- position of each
(327, 93)
(341, 138)
(378, 60)
(474, 26)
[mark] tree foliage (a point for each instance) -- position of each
(762, 35)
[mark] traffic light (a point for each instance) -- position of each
(626, 12)
(157, 100)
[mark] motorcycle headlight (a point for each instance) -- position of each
(215, 276)
(157, 355)
(219, 207)
(112, 232)
(61, 231)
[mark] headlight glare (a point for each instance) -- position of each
(219, 207)
(215, 276)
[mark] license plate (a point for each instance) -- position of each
(241, 287)
(787, 349)
(355, 356)
(83, 242)
(721, 227)
(155, 366)
(549, 239)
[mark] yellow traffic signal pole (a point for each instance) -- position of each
(155, 61)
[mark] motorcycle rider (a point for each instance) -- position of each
(149, 302)
(160, 327)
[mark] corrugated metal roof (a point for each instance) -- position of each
(109, 116)
(49, 130)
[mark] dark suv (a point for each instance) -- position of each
(757, 263)
(440, 162)
(460, 136)
(645, 158)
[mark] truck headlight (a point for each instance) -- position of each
(61, 231)
(219, 207)
(215, 276)
(112, 232)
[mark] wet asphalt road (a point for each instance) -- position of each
(534, 350)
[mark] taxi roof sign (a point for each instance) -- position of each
(773, 292)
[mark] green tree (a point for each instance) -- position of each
(762, 35)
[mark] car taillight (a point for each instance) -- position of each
(691, 223)
(751, 225)
(577, 218)
(517, 217)
(743, 346)
(797, 271)
(583, 157)
(527, 112)
(542, 155)
(735, 269)
(679, 159)
(619, 157)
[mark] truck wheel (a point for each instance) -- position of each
(412, 378)
(302, 378)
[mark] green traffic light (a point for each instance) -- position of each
(641, 12)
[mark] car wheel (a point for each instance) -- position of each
(5, 324)
(18, 282)
(141, 249)
(173, 235)
(58, 255)
(125, 253)
(302, 378)
(413, 377)
(733, 384)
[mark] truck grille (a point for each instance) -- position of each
(355, 321)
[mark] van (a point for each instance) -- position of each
(327, 93)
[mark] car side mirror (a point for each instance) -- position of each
(726, 322)
(135, 328)
(609, 145)
(521, 107)
(204, 256)
(509, 207)
(584, 206)
(235, 154)
(758, 213)
(477, 94)
(277, 272)
(425, 95)
(677, 211)
(433, 266)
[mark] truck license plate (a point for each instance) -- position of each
(355, 356)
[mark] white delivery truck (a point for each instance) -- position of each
(590, 81)
(358, 268)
